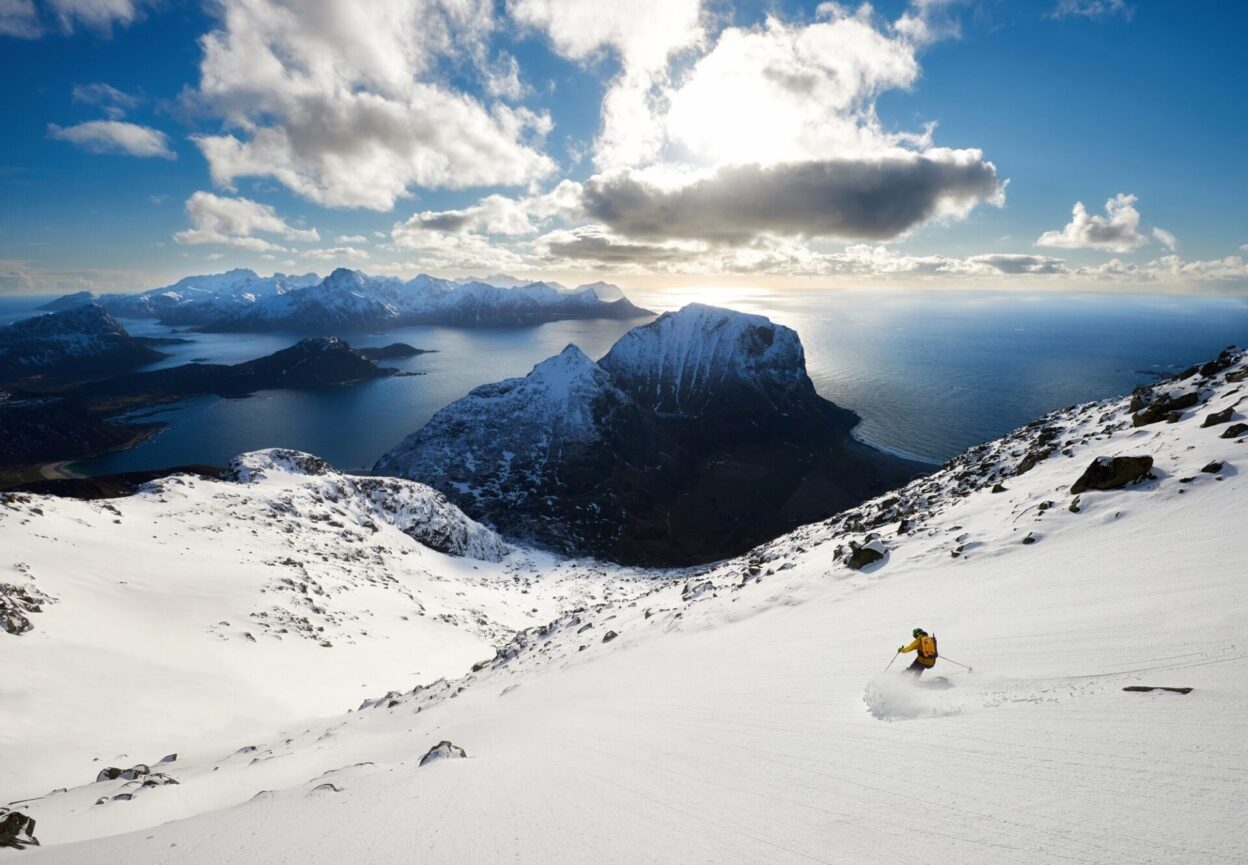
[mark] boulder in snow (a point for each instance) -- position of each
(1111, 473)
(17, 831)
(444, 750)
(1235, 430)
(1218, 417)
(861, 555)
(1212, 468)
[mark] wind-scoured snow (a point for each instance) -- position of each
(735, 713)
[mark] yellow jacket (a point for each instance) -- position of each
(927, 654)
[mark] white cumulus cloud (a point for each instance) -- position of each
(1117, 231)
(235, 222)
(344, 103)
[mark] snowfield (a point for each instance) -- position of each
(739, 713)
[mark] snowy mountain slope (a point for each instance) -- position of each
(738, 713)
(76, 341)
(199, 611)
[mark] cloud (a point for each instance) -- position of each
(876, 199)
(334, 253)
(352, 238)
(19, 19)
(114, 102)
(1092, 9)
(1165, 238)
(643, 34)
(773, 130)
(115, 136)
(345, 104)
(1117, 231)
(235, 222)
(596, 243)
(1020, 263)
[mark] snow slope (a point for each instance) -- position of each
(740, 713)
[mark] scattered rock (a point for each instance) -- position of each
(1030, 539)
(1218, 417)
(1163, 408)
(112, 773)
(169, 758)
(1111, 473)
(332, 788)
(1074, 505)
(1213, 468)
(444, 750)
(609, 636)
(1235, 430)
(998, 488)
(17, 831)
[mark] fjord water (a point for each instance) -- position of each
(931, 373)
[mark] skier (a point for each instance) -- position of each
(926, 644)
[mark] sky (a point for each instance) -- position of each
(1065, 144)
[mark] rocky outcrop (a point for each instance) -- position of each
(1111, 473)
(444, 750)
(1235, 430)
(1218, 417)
(17, 604)
(696, 437)
(1164, 407)
(17, 831)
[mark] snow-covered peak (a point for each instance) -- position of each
(684, 360)
(604, 291)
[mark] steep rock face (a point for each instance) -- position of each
(526, 450)
(696, 437)
(83, 340)
(704, 361)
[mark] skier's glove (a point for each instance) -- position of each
(900, 649)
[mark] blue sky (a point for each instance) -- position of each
(665, 142)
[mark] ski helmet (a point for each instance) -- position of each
(917, 632)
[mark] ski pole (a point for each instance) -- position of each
(952, 661)
(890, 663)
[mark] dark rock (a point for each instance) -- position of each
(1237, 376)
(1212, 468)
(169, 758)
(1218, 417)
(1235, 430)
(444, 750)
(1111, 473)
(1030, 539)
(1074, 505)
(609, 636)
(1033, 459)
(17, 831)
(861, 555)
(1163, 407)
(998, 488)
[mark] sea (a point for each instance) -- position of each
(931, 373)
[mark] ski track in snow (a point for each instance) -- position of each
(739, 715)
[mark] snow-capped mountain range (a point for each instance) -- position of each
(241, 300)
(173, 699)
(696, 436)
